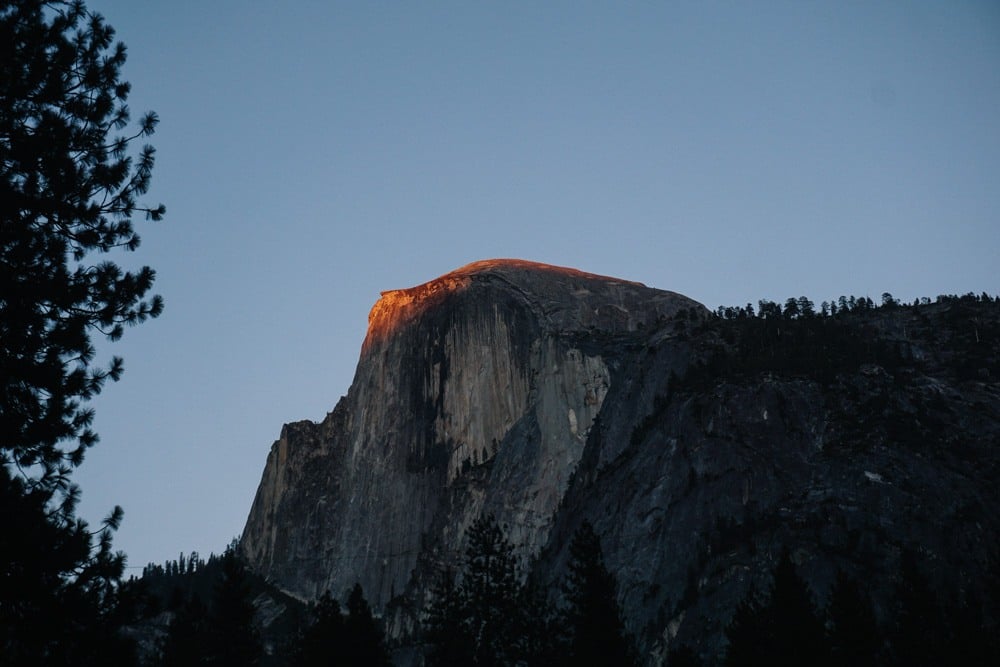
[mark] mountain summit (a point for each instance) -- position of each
(574, 300)
(498, 364)
(699, 446)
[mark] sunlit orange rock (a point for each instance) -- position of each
(396, 308)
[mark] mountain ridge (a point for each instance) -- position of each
(546, 396)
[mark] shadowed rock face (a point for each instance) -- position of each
(493, 373)
(547, 396)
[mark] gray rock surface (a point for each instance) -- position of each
(547, 396)
(477, 375)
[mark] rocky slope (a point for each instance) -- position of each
(698, 447)
(859, 439)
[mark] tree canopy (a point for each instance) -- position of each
(488, 617)
(594, 619)
(70, 182)
(69, 189)
(475, 621)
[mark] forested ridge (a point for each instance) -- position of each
(960, 333)
(912, 385)
(491, 612)
(493, 609)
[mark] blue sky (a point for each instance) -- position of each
(312, 154)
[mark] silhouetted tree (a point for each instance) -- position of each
(188, 635)
(319, 642)
(854, 634)
(446, 630)
(768, 309)
(234, 638)
(58, 593)
(791, 310)
(747, 635)
(487, 617)
(785, 630)
(683, 656)
(68, 193)
(364, 641)
(919, 633)
(538, 634)
(593, 618)
(489, 590)
(797, 629)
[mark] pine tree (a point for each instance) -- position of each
(490, 591)
(483, 618)
(68, 195)
(785, 630)
(320, 641)
(364, 641)
(683, 656)
(234, 638)
(537, 631)
(593, 617)
(187, 636)
(797, 630)
(68, 190)
(748, 634)
(920, 635)
(446, 625)
(853, 631)
(59, 596)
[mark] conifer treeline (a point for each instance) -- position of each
(917, 627)
(484, 616)
(803, 307)
(841, 336)
(182, 565)
(481, 615)
(213, 620)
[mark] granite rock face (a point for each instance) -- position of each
(547, 396)
(883, 438)
(487, 373)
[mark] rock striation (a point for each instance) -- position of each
(699, 447)
(492, 367)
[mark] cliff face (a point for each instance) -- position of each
(483, 368)
(699, 448)
(846, 440)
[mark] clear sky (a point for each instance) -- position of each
(311, 154)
